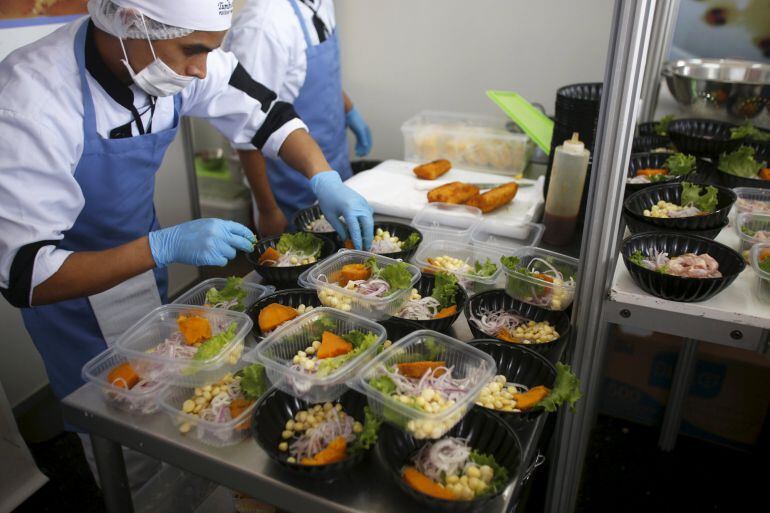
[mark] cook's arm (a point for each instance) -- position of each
(271, 218)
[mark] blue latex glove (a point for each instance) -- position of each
(359, 127)
(200, 242)
(338, 200)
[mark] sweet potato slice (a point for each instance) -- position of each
(426, 485)
(505, 335)
(237, 407)
(273, 315)
(269, 256)
(123, 376)
(349, 244)
(333, 345)
(194, 328)
(352, 272)
(446, 312)
(417, 370)
(531, 397)
(764, 173)
(337, 450)
(651, 172)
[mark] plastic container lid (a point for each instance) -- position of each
(197, 294)
(537, 291)
(138, 342)
(752, 199)
(216, 434)
(762, 288)
(278, 350)
(333, 295)
(141, 399)
(446, 221)
(751, 222)
(469, 253)
(506, 235)
(465, 361)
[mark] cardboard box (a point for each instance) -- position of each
(728, 398)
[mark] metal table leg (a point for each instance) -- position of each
(680, 386)
(112, 475)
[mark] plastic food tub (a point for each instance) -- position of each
(141, 399)
(745, 226)
(197, 295)
(333, 295)
(467, 140)
(277, 351)
(160, 324)
(444, 221)
(466, 363)
(752, 199)
(216, 434)
(469, 253)
(537, 291)
(762, 287)
(506, 235)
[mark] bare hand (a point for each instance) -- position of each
(272, 222)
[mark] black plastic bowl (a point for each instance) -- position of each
(675, 288)
(703, 172)
(398, 328)
(636, 225)
(648, 128)
(400, 230)
(519, 364)
(425, 287)
(284, 277)
(269, 421)
(288, 297)
(731, 181)
(643, 200)
(485, 432)
(585, 96)
(498, 299)
(647, 143)
(306, 216)
(702, 137)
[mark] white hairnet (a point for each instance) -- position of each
(126, 22)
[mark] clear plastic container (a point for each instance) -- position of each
(278, 350)
(444, 221)
(762, 287)
(506, 235)
(468, 253)
(537, 291)
(139, 342)
(465, 361)
(216, 434)
(469, 141)
(197, 294)
(746, 224)
(333, 295)
(752, 199)
(141, 399)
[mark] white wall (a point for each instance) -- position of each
(403, 56)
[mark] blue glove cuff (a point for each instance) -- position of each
(351, 115)
(156, 248)
(323, 178)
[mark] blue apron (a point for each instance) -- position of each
(321, 107)
(117, 179)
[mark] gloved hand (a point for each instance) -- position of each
(337, 199)
(200, 242)
(356, 123)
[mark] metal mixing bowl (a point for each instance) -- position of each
(726, 89)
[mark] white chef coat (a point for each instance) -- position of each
(41, 134)
(268, 41)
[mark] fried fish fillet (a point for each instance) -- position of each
(454, 192)
(432, 170)
(494, 198)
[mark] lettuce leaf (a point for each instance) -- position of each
(445, 289)
(485, 269)
(410, 241)
(383, 384)
(232, 291)
(499, 473)
(253, 381)
(749, 131)
(764, 264)
(680, 164)
(661, 127)
(637, 257)
(691, 195)
(520, 288)
(213, 346)
(740, 163)
(367, 437)
(300, 242)
(566, 389)
(397, 275)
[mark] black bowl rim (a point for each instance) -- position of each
(721, 189)
(672, 127)
(299, 212)
(680, 279)
(253, 258)
(652, 228)
(699, 162)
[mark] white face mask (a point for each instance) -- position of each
(157, 78)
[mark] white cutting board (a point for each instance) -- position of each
(392, 189)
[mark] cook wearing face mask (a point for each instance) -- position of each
(86, 116)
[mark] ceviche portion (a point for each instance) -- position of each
(542, 281)
(368, 279)
(448, 263)
(293, 249)
(326, 355)
(677, 164)
(122, 385)
(694, 202)
(442, 302)
(229, 297)
(384, 242)
(325, 434)
(741, 163)
(450, 469)
(500, 395)
(320, 225)
(688, 265)
(512, 327)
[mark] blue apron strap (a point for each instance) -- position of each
(89, 117)
(295, 6)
